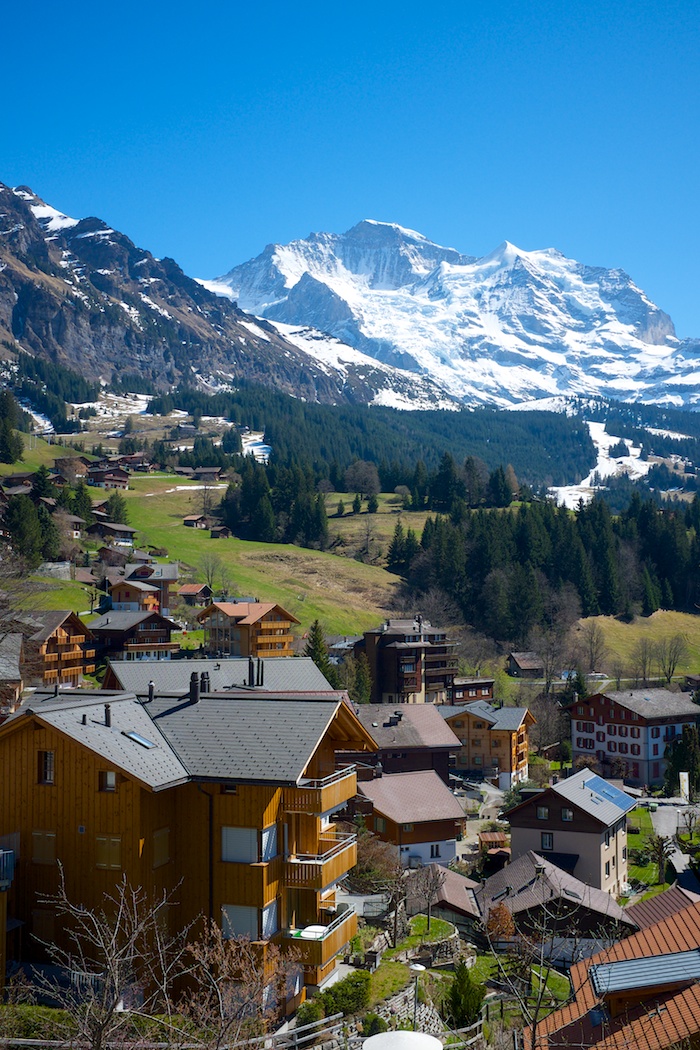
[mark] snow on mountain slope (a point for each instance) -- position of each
(509, 327)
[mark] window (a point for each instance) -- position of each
(547, 840)
(655, 749)
(477, 760)
(478, 725)
(600, 737)
(624, 852)
(607, 869)
(607, 839)
(485, 692)
(108, 780)
(635, 748)
(45, 767)
(269, 842)
(655, 732)
(612, 730)
(44, 847)
(655, 770)
(476, 743)
(239, 845)
(623, 731)
(567, 814)
(634, 731)
(458, 724)
(161, 847)
(472, 692)
(543, 812)
(623, 748)
(435, 851)
(270, 924)
(579, 710)
(379, 824)
(109, 852)
(407, 827)
(238, 920)
(612, 746)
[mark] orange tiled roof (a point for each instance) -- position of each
(664, 1018)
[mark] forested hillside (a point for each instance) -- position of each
(513, 572)
(544, 448)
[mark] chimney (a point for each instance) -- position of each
(84, 719)
(194, 688)
(257, 673)
(108, 716)
(251, 672)
(206, 686)
(151, 691)
(55, 689)
(202, 683)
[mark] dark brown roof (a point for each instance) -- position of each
(418, 725)
(660, 907)
(412, 798)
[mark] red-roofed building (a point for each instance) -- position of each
(417, 812)
(643, 992)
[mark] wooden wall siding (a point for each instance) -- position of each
(433, 831)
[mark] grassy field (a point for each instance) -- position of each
(621, 638)
(345, 595)
(40, 454)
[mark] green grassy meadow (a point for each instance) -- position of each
(621, 638)
(345, 595)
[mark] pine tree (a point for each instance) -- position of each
(464, 998)
(362, 686)
(22, 523)
(116, 508)
(357, 504)
(318, 651)
(50, 535)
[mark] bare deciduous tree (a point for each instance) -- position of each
(593, 645)
(669, 653)
(642, 661)
(117, 955)
(210, 566)
(238, 988)
(425, 884)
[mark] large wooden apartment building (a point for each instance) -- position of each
(257, 629)
(227, 797)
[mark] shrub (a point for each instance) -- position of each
(347, 996)
(464, 998)
(309, 1012)
(373, 1024)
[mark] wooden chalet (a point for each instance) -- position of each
(195, 593)
(243, 628)
(140, 635)
(228, 799)
(58, 647)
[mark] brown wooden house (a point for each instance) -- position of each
(58, 647)
(177, 793)
(243, 628)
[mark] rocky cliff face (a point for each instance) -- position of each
(84, 295)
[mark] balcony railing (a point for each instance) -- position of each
(320, 796)
(316, 945)
(314, 871)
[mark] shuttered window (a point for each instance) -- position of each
(44, 847)
(239, 921)
(269, 842)
(109, 852)
(239, 845)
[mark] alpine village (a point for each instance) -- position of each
(334, 704)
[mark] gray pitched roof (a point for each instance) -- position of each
(244, 738)
(532, 881)
(254, 738)
(122, 620)
(10, 651)
(156, 766)
(595, 796)
(655, 703)
(419, 725)
(160, 570)
(507, 718)
(291, 673)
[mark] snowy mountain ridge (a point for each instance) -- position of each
(509, 327)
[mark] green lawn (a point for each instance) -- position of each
(389, 978)
(40, 454)
(345, 595)
(621, 638)
(439, 929)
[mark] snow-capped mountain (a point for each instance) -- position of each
(84, 295)
(512, 326)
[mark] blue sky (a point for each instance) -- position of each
(205, 131)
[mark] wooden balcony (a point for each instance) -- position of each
(316, 871)
(316, 946)
(321, 796)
